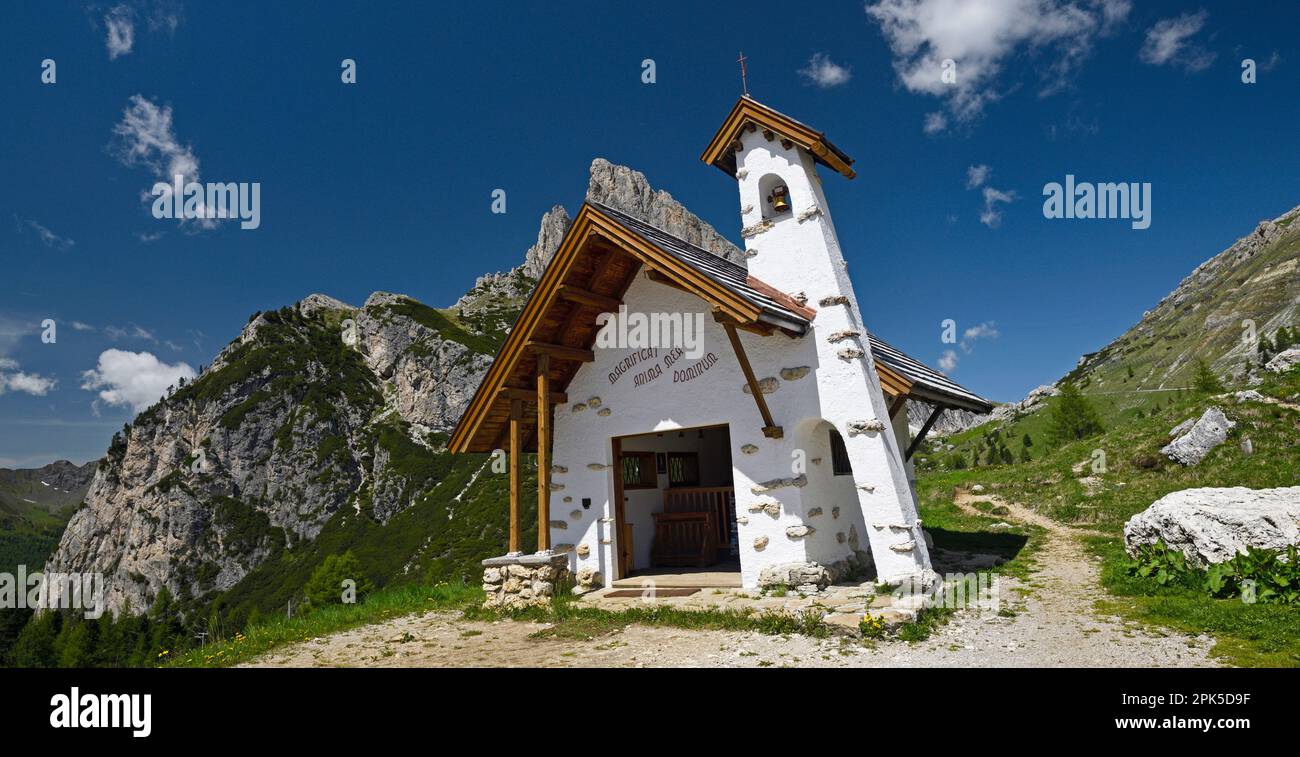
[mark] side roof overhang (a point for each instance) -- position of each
(748, 113)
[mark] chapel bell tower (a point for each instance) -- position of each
(790, 241)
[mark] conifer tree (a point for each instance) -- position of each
(1072, 417)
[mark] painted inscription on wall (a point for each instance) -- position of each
(646, 365)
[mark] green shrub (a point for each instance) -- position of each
(326, 585)
(1268, 576)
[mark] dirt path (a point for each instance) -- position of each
(1051, 622)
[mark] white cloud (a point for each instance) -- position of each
(982, 37)
(977, 175)
(824, 72)
(935, 123)
(79, 326)
(145, 137)
(1169, 42)
(131, 331)
(120, 26)
(986, 330)
(991, 215)
(49, 238)
(28, 383)
(135, 379)
(948, 361)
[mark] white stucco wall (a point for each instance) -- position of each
(798, 254)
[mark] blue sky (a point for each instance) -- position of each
(386, 184)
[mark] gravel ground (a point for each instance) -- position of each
(1051, 622)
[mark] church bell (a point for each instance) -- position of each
(779, 199)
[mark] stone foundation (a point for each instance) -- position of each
(518, 581)
(811, 577)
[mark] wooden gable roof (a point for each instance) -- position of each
(748, 113)
(597, 261)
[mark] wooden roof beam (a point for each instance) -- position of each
(560, 352)
(529, 395)
(582, 296)
(770, 429)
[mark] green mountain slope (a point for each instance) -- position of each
(1256, 280)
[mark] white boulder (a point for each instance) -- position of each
(1195, 440)
(1210, 525)
(1284, 360)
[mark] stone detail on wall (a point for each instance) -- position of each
(760, 543)
(752, 231)
(800, 297)
(583, 551)
(853, 537)
(746, 210)
(840, 336)
(770, 506)
(742, 173)
(839, 537)
(519, 581)
(568, 499)
(598, 466)
(559, 524)
(578, 407)
(748, 449)
(816, 461)
(765, 385)
(873, 426)
(576, 515)
(604, 412)
(557, 487)
(588, 580)
(835, 511)
(565, 547)
(795, 373)
(800, 531)
(742, 520)
(815, 210)
(815, 512)
(559, 469)
(779, 483)
(593, 403)
(838, 299)
(850, 353)
(906, 546)
(868, 488)
(751, 252)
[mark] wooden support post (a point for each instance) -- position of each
(899, 403)
(770, 429)
(920, 435)
(516, 477)
(543, 452)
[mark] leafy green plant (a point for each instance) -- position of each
(1267, 576)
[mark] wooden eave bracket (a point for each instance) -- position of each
(770, 429)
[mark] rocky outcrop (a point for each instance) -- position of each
(627, 190)
(432, 378)
(956, 421)
(1211, 525)
(1196, 438)
(1284, 360)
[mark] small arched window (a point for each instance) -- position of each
(839, 455)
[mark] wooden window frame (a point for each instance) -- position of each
(683, 456)
(649, 474)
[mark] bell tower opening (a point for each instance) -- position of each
(775, 197)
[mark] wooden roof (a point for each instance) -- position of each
(599, 258)
(749, 113)
(597, 261)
